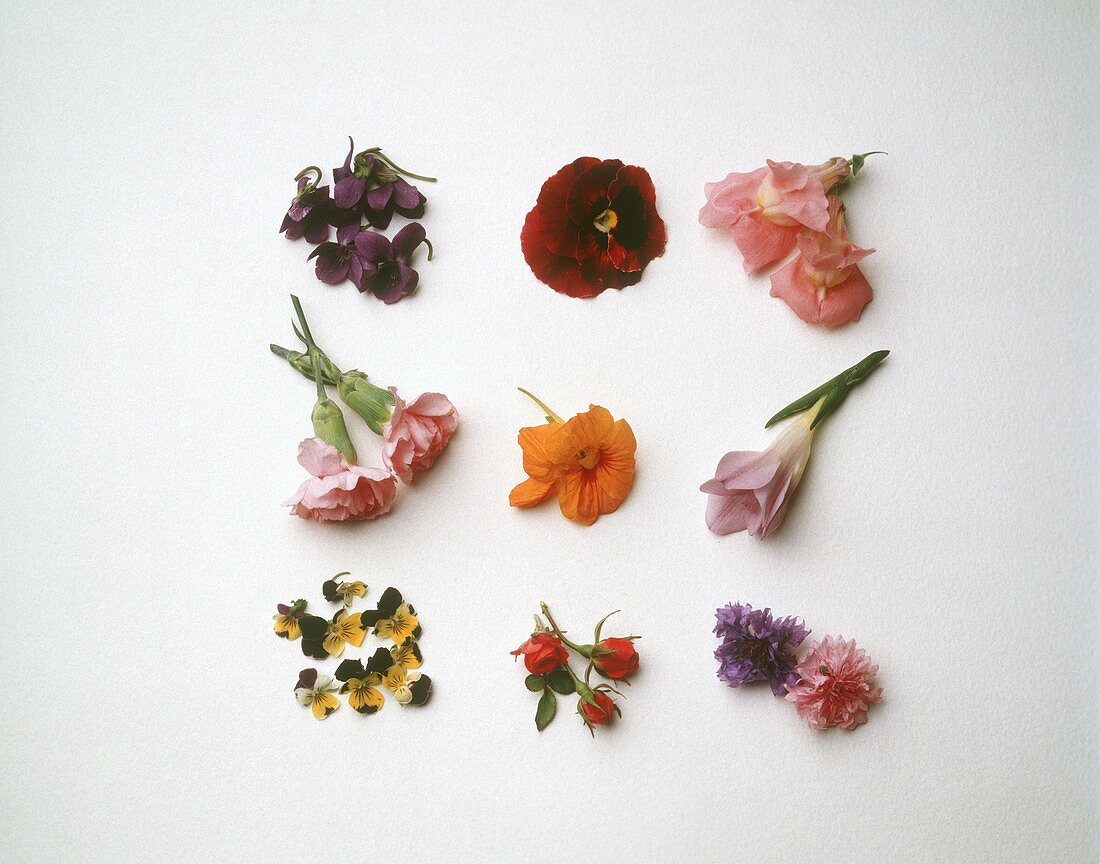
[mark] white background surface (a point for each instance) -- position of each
(948, 519)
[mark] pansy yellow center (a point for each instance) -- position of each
(588, 457)
(606, 220)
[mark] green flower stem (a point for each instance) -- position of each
(378, 152)
(550, 415)
(583, 690)
(330, 373)
(583, 650)
(832, 393)
(312, 169)
(304, 335)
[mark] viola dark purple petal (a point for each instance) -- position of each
(407, 239)
(373, 248)
(757, 647)
(379, 198)
(349, 192)
(405, 195)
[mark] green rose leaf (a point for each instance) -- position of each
(534, 683)
(560, 681)
(548, 704)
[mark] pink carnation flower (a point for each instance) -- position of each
(752, 490)
(835, 686)
(822, 284)
(338, 491)
(766, 208)
(417, 433)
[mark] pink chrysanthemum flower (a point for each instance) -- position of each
(835, 685)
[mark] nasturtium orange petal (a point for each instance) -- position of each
(531, 492)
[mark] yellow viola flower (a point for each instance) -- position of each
(363, 693)
(409, 687)
(321, 638)
(393, 619)
(407, 655)
(343, 628)
(286, 622)
(343, 592)
(316, 692)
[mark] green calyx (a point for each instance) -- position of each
(858, 159)
(372, 403)
(832, 393)
(330, 374)
(328, 425)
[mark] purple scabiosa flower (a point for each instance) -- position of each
(310, 211)
(371, 184)
(757, 647)
(337, 261)
(385, 265)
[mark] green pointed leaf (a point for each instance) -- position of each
(561, 681)
(534, 683)
(548, 705)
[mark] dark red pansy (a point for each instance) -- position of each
(595, 226)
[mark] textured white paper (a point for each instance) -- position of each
(947, 521)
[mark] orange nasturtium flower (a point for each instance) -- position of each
(588, 462)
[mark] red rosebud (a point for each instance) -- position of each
(615, 658)
(598, 716)
(542, 653)
(595, 226)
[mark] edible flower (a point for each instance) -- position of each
(416, 433)
(321, 638)
(764, 209)
(835, 685)
(286, 622)
(752, 490)
(755, 646)
(336, 591)
(316, 692)
(594, 226)
(822, 284)
(393, 618)
(587, 462)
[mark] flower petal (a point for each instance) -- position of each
(762, 242)
(727, 514)
(407, 239)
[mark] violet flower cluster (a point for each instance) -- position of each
(368, 190)
(757, 647)
(831, 685)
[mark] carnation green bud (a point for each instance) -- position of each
(328, 425)
(373, 404)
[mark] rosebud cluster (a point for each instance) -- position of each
(368, 186)
(546, 658)
(413, 435)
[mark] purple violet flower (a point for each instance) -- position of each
(310, 210)
(385, 265)
(337, 261)
(372, 185)
(757, 647)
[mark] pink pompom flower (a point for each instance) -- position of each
(822, 284)
(339, 491)
(836, 685)
(752, 490)
(766, 208)
(417, 433)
